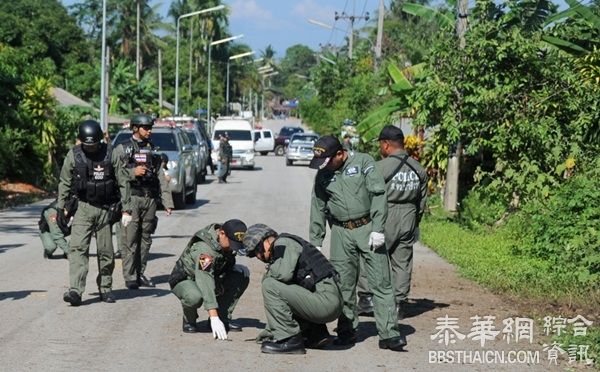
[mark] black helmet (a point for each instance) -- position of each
(140, 120)
(255, 236)
(90, 132)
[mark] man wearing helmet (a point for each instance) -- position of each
(94, 173)
(147, 183)
(300, 291)
(206, 274)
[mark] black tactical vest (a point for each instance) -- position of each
(143, 156)
(312, 266)
(95, 181)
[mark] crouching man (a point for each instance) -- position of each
(206, 274)
(300, 291)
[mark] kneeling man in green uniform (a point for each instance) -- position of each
(206, 274)
(300, 291)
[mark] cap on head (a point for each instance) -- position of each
(235, 230)
(391, 133)
(89, 132)
(255, 235)
(141, 120)
(323, 150)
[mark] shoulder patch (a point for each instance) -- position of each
(352, 171)
(368, 169)
(205, 262)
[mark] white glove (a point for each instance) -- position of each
(318, 248)
(218, 328)
(376, 240)
(126, 219)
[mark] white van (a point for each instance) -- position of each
(239, 132)
(264, 142)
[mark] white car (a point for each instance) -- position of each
(264, 142)
(300, 147)
(239, 132)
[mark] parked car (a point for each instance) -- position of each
(239, 132)
(283, 138)
(300, 147)
(264, 142)
(199, 142)
(173, 142)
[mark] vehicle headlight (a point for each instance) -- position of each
(286, 141)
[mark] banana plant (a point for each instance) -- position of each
(575, 10)
(402, 86)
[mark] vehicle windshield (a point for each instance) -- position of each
(288, 131)
(165, 141)
(234, 135)
(192, 137)
(307, 138)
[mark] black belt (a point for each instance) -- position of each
(352, 224)
(144, 193)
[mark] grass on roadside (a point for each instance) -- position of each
(486, 257)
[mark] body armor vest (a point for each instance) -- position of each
(312, 266)
(143, 156)
(95, 181)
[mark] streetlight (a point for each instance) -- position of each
(327, 59)
(332, 27)
(177, 52)
(217, 42)
(231, 58)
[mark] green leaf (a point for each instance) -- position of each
(430, 14)
(565, 45)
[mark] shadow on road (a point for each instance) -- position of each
(250, 323)
(128, 294)
(160, 279)
(419, 306)
(6, 247)
(170, 236)
(18, 295)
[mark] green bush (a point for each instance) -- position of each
(564, 230)
(482, 207)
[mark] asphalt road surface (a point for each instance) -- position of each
(142, 330)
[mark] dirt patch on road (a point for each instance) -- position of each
(15, 193)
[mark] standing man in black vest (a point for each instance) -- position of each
(147, 183)
(94, 173)
(300, 290)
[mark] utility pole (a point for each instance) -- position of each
(137, 43)
(381, 14)
(452, 175)
(351, 18)
(190, 69)
(103, 121)
(160, 97)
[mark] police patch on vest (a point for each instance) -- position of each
(140, 158)
(352, 171)
(99, 172)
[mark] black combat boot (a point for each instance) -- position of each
(395, 343)
(365, 304)
(143, 281)
(317, 336)
(345, 338)
(108, 297)
(189, 327)
(233, 326)
(401, 309)
(72, 297)
(291, 345)
(132, 284)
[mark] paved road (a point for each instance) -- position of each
(142, 330)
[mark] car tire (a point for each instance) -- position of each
(191, 197)
(289, 162)
(264, 153)
(279, 150)
(179, 198)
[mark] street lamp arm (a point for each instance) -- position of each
(208, 10)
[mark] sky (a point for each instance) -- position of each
(283, 23)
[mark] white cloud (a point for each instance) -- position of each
(249, 9)
(312, 9)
